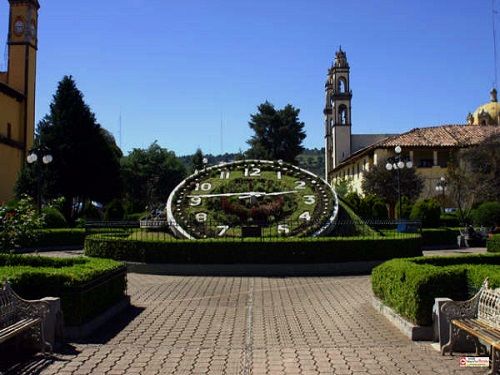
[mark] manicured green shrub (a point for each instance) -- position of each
(449, 220)
(114, 211)
(493, 244)
(310, 250)
(487, 214)
(53, 218)
(406, 208)
(409, 286)
(427, 211)
(368, 206)
(56, 237)
(440, 236)
(86, 286)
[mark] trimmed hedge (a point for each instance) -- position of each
(493, 244)
(440, 236)
(86, 286)
(313, 250)
(409, 286)
(57, 237)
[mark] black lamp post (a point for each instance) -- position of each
(441, 188)
(41, 156)
(397, 163)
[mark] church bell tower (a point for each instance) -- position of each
(337, 113)
(21, 74)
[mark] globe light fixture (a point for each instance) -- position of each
(397, 163)
(441, 188)
(40, 156)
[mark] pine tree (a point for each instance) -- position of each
(278, 133)
(85, 156)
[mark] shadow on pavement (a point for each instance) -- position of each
(112, 327)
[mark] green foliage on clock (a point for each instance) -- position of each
(281, 199)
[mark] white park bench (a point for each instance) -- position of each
(18, 316)
(479, 319)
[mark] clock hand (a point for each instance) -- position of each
(242, 195)
(259, 194)
(214, 195)
(283, 192)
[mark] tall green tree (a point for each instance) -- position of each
(384, 184)
(197, 160)
(149, 176)
(278, 134)
(86, 159)
(474, 175)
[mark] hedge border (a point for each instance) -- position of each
(493, 244)
(316, 250)
(77, 281)
(409, 286)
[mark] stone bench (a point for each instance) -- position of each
(18, 316)
(479, 319)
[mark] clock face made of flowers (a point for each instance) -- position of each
(280, 198)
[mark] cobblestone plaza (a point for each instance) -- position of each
(249, 325)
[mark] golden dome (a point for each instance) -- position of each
(487, 114)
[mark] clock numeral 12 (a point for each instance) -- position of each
(254, 172)
(224, 175)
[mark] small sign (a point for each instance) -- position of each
(474, 361)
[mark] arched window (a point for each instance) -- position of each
(342, 114)
(342, 85)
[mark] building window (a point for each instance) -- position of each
(9, 130)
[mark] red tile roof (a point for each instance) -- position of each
(431, 137)
(441, 136)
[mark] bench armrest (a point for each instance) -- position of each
(461, 309)
(34, 308)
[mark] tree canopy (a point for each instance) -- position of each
(149, 176)
(384, 184)
(278, 134)
(85, 162)
(474, 175)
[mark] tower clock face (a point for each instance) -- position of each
(19, 27)
(226, 200)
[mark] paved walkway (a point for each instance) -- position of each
(249, 325)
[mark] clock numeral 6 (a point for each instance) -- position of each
(206, 186)
(300, 185)
(201, 217)
(223, 230)
(253, 172)
(195, 201)
(305, 216)
(309, 199)
(283, 229)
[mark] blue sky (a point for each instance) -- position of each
(177, 69)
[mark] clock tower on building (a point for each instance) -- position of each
(17, 93)
(337, 113)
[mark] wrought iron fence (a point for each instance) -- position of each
(159, 230)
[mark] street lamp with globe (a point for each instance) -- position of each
(441, 188)
(40, 156)
(397, 163)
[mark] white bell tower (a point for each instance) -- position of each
(337, 114)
